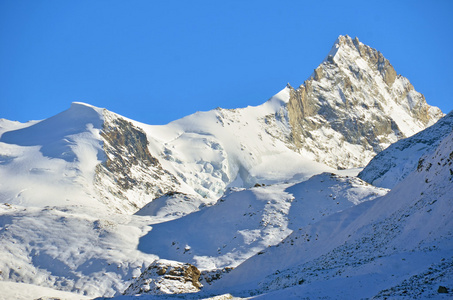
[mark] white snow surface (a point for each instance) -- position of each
(230, 147)
(246, 221)
(397, 246)
(23, 291)
(171, 206)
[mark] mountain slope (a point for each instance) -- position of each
(70, 249)
(392, 165)
(397, 245)
(83, 156)
(247, 221)
(53, 162)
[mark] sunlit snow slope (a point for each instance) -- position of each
(398, 245)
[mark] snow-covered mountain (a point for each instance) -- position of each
(353, 107)
(91, 198)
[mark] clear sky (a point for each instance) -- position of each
(157, 61)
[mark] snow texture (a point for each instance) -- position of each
(398, 246)
(396, 162)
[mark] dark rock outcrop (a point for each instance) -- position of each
(166, 277)
(130, 177)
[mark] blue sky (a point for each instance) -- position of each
(157, 61)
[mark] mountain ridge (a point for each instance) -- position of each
(355, 77)
(92, 198)
(340, 118)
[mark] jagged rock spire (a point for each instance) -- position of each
(354, 101)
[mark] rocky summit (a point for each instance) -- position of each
(354, 106)
(259, 200)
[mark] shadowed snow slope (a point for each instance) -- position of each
(69, 250)
(23, 291)
(398, 245)
(247, 221)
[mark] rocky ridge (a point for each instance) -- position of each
(354, 106)
(130, 176)
(351, 108)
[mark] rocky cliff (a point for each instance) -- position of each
(166, 277)
(354, 106)
(130, 176)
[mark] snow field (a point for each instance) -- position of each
(398, 245)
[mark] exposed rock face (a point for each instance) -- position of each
(130, 177)
(166, 277)
(209, 276)
(122, 138)
(356, 100)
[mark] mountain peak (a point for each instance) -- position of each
(341, 41)
(345, 41)
(347, 51)
(356, 96)
(85, 107)
(76, 103)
